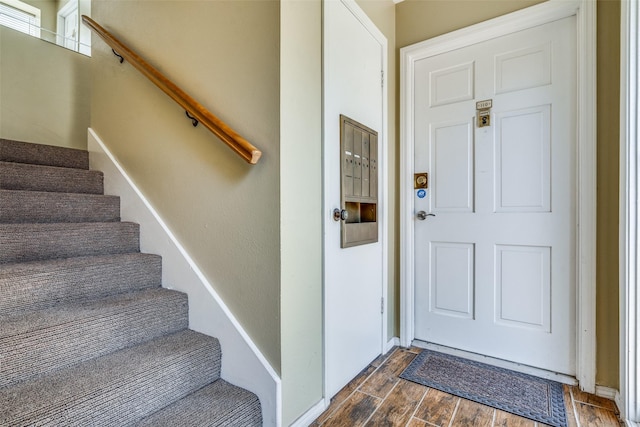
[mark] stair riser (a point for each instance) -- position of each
(31, 242)
(24, 152)
(117, 389)
(31, 207)
(59, 339)
(39, 285)
(19, 176)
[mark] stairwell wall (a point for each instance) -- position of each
(224, 212)
(45, 92)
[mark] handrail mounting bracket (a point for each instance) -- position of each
(118, 55)
(194, 121)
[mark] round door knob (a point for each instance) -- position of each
(340, 214)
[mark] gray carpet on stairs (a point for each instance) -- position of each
(30, 242)
(38, 154)
(37, 285)
(88, 337)
(21, 176)
(117, 389)
(69, 334)
(38, 206)
(226, 397)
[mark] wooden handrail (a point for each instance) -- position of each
(237, 143)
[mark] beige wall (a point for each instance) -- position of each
(608, 182)
(382, 13)
(45, 95)
(418, 20)
(225, 212)
(301, 206)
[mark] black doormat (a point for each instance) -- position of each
(521, 394)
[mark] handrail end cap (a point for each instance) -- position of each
(255, 156)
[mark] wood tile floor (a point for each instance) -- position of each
(377, 397)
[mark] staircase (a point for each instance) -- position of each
(88, 336)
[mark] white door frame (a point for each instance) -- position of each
(585, 13)
(629, 214)
(62, 15)
(383, 167)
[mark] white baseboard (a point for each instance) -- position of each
(310, 416)
(242, 362)
(393, 342)
(608, 393)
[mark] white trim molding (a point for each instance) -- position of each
(242, 362)
(585, 13)
(608, 393)
(311, 415)
(629, 213)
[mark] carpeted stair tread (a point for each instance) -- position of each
(117, 389)
(37, 285)
(216, 405)
(23, 176)
(17, 206)
(68, 334)
(30, 242)
(38, 154)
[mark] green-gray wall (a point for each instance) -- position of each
(225, 212)
(45, 95)
(301, 206)
(608, 172)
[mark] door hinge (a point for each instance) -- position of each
(382, 305)
(382, 78)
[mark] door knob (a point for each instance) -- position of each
(339, 214)
(422, 215)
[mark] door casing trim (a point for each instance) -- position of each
(540, 14)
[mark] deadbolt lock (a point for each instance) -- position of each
(420, 180)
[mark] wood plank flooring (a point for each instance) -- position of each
(378, 397)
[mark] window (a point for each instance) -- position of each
(20, 16)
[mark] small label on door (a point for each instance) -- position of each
(484, 105)
(422, 194)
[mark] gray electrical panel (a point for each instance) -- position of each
(359, 178)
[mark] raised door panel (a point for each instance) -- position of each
(452, 178)
(523, 160)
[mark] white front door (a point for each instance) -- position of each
(352, 276)
(495, 268)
